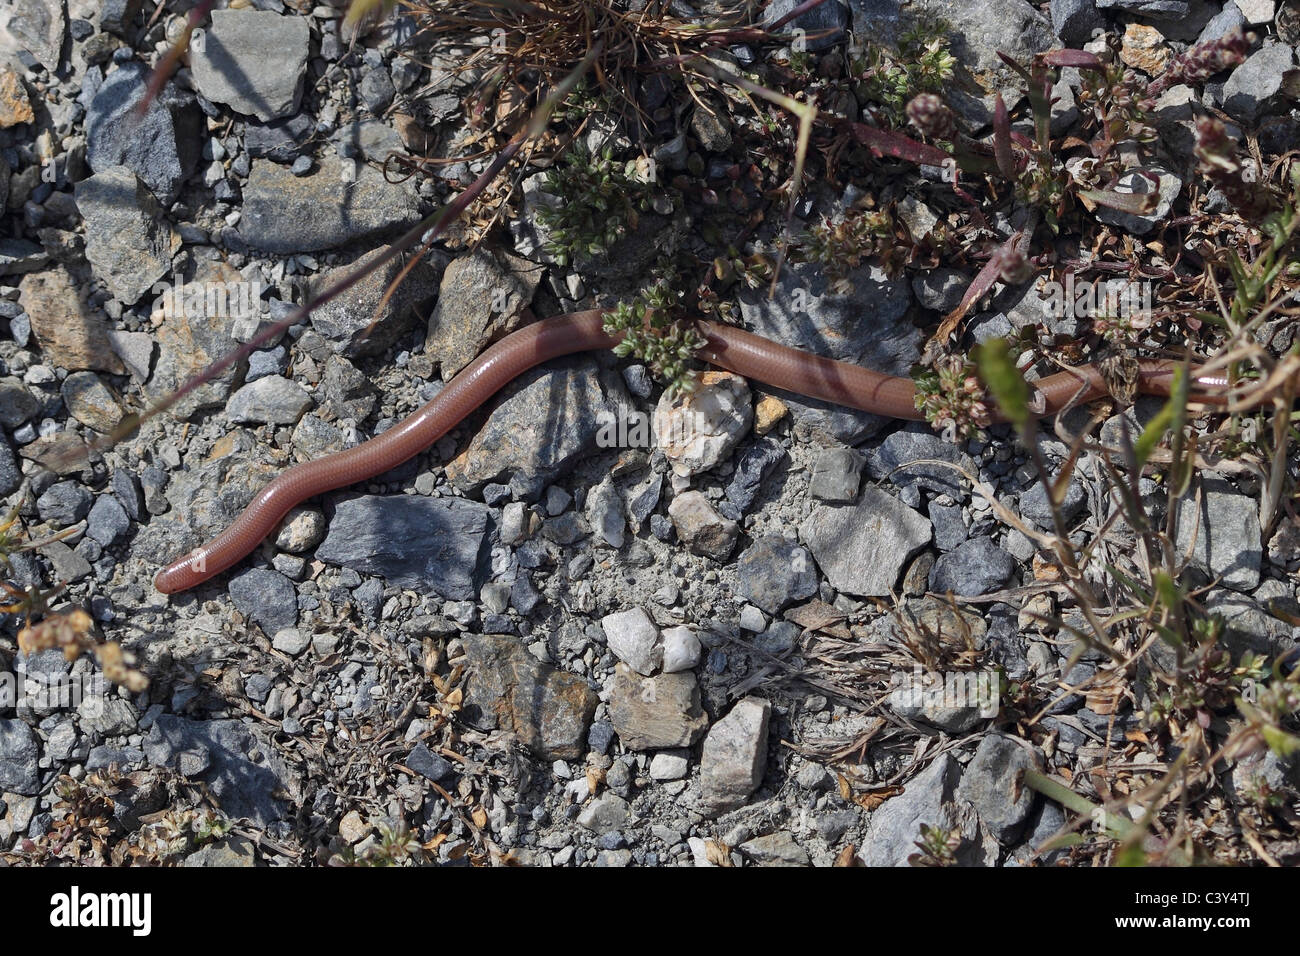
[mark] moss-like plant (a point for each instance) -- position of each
(652, 333)
(601, 198)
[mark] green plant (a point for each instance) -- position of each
(889, 78)
(599, 200)
(938, 846)
(652, 333)
(841, 245)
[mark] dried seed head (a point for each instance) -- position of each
(929, 114)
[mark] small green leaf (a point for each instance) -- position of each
(998, 371)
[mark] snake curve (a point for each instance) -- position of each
(726, 347)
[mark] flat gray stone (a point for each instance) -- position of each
(734, 758)
(431, 545)
(284, 213)
(253, 61)
(862, 548)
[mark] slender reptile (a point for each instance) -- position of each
(726, 347)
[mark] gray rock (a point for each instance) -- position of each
(701, 528)
(774, 572)
(349, 321)
(878, 19)
(1168, 186)
(994, 782)
(822, 27)
(734, 758)
(605, 813)
(1074, 21)
(940, 290)
(974, 567)
(108, 716)
(284, 213)
(128, 239)
(428, 764)
(836, 475)
(91, 402)
(37, 26)
(1166, 9)
(1035, 506)
(270, 400)
(253, 61)
(135, 349)
(1267, 73)
(161, 148)
(895, 825)
(634, 639)
(863, 548)
(1224, 22)
(955, 701)
(480, 298)
(949, 527)
(279, 140)
(1227, 531)
(529, 451)
(11, 475)
(17, 404)
(753, 466)
(265, 597)
(377, 91)
(656, 713)
(431, 545)
(547, 709)
(979, 31)
(118, 15)
(19, 753)
(64, 503)
(893, 460)
(107, 520)
(242, 784)
(604, 513)
(775, 849)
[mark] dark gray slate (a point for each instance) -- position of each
(162, 147)
(242, 786)
(265, 597)
(972, 568)
(431, 545)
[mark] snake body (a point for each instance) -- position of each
(726, 347)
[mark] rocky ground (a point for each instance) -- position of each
(525, 646)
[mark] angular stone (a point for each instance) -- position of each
(655, 713)
(773, 572)
(349, 320)
(1227, 532)
(69, 333)
(431, 545)
(634, 639)
(128, 239)
(253, 61)
(284, 213)
(531, 450)
(863, 548)
(735, 756)
(481, 298)
(162, 147)
(549, 710)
